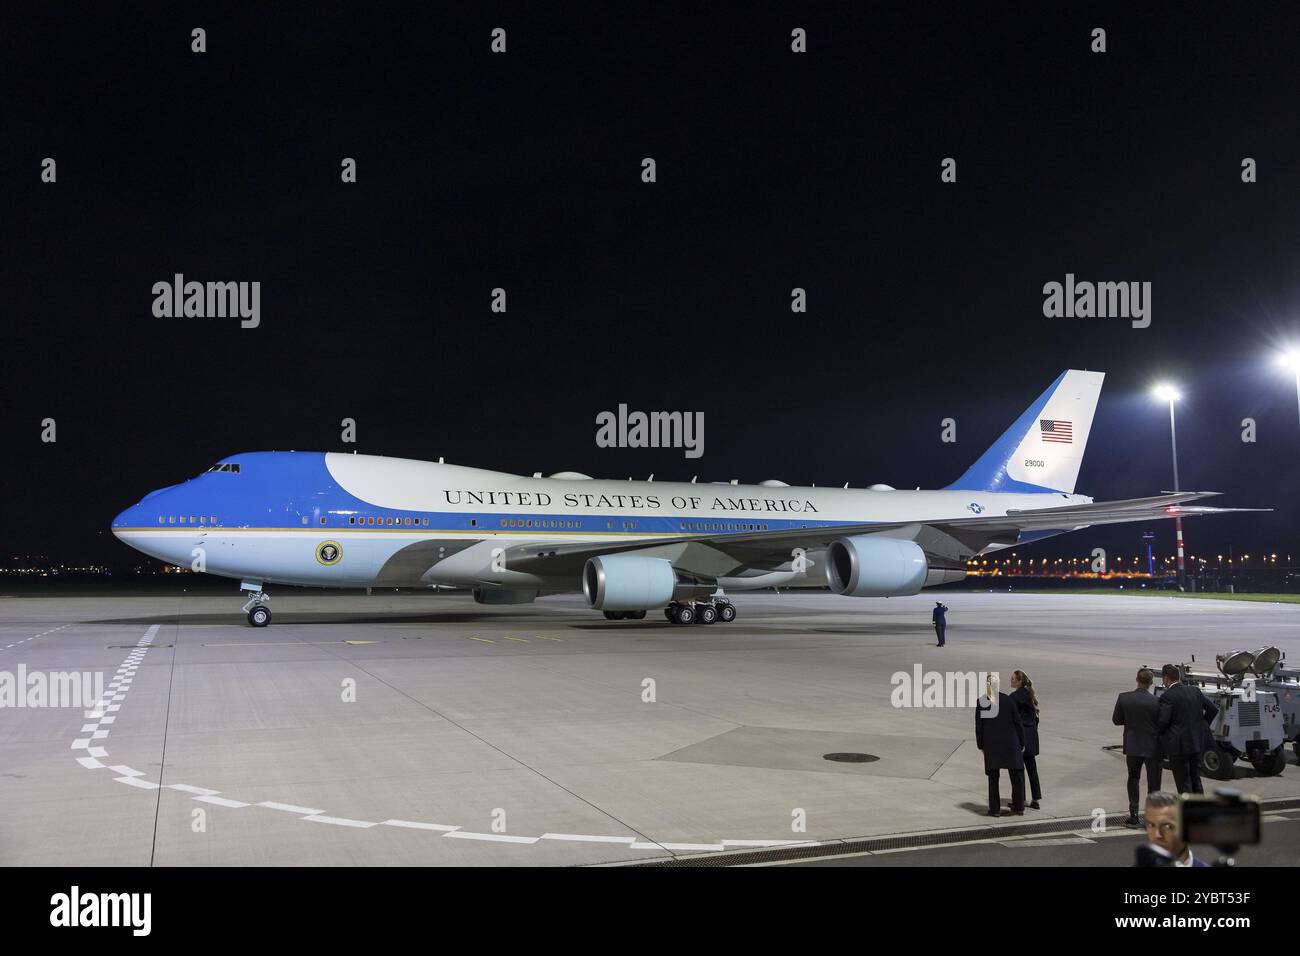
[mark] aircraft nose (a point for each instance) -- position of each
(137, 516)
(127, 518)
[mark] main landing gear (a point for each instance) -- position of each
(259, 615)
(701, 612)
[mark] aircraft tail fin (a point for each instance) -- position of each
(1043, 450)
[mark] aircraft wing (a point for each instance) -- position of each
(953, 539)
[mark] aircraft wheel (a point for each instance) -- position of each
(613, 615)
(1216, 764)
(708, 613)
(259, 616)
(727, 613)
(684, 614)
(635, 615)
(670, 611)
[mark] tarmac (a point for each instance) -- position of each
(423, 729)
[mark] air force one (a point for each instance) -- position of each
(348, 520)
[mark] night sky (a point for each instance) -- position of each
(775, 170)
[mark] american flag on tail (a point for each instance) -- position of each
(1057, 430)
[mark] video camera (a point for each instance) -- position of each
(1226, 821)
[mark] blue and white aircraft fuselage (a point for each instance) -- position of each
(349, 520)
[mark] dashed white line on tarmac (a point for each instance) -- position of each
(416, 825)
(290, 808)
(339, 821)
(220, 801)
(587, 838)
(186, 788)
(493, 837)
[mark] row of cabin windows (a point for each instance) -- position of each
(532, 523)
(397, 522)
(721, 526)
(505, 523)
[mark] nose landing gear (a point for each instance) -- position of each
(259, 615)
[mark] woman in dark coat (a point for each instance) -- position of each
(1001, 737)
(1026, 702)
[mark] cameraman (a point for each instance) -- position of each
(1163, 832)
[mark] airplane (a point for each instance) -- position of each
(330, 519)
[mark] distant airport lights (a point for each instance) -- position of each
(1168, 393)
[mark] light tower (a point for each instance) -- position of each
(1167, 393)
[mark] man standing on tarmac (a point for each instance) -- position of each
(1182, 720)
(1137, 711)
(938, 620)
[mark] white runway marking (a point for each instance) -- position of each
(585, 838)
(339, 821)
(221, 801)
(494, 837)
(290, 808)
(414, 825)
(42, 634)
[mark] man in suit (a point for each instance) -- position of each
(1000, 734)
(938, 619)
(1166, 838)
(1136, 711)
(1183, 720)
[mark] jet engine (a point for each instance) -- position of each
(871, 565)
(627, 582)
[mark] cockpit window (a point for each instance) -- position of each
(230, 466)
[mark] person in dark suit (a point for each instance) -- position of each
(1183, 721)
(939, 620)
(1136, 711)
(1026, 701)
(1000, 734)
